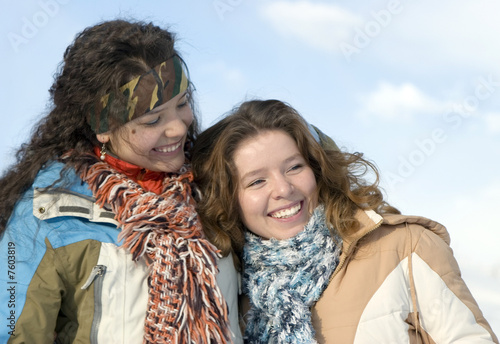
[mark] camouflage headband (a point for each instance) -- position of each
(143, 93)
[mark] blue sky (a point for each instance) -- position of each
(415, 85)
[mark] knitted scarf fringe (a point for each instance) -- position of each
(185, 304)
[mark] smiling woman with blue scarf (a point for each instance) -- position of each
(324, 259)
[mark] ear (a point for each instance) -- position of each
(103, 138)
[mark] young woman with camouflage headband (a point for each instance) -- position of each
(97, 215)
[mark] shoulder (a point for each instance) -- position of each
(59, 207)
(58, 175)
(398, 236)
(400, 228)
(417, 225)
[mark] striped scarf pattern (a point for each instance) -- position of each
(284, 278)
(185, 304)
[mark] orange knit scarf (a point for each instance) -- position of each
(185, 303)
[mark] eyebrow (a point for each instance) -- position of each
(257, 171)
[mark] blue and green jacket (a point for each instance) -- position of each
(63, 277)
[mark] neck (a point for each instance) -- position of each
(149, 180)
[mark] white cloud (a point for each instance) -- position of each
(438, 35)
(493, 122)
(445, 33)
(398, 102)
(321, 25)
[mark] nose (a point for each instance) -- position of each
(282, 187)
(176, 127)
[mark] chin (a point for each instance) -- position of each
(173, 167)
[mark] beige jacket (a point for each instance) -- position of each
(393, 266)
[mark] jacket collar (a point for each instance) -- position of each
(368, 220)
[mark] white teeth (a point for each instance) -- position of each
(168, 149)
(287, 212)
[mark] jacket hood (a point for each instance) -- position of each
(370, 220)
(431, 225)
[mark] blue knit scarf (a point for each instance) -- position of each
(284, 278)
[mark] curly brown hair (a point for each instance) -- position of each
(101, 59)
(341, 177)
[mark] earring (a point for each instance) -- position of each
(103, 151)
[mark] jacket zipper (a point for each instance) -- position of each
(97, 270)
(96, 277)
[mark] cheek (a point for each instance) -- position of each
(312, 187)
(254, 205)
(188, 117)
(242, 206)
(141, 141)
(247, 208)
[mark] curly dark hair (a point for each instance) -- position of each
(101, 59)
(341, 177)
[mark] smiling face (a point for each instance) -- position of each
(155, 140)
(276, 187)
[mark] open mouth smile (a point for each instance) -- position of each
(286, 213)
(168, 149)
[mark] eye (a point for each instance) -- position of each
(295, 167)
(255, 183)
(153, 122)
(184, 101)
